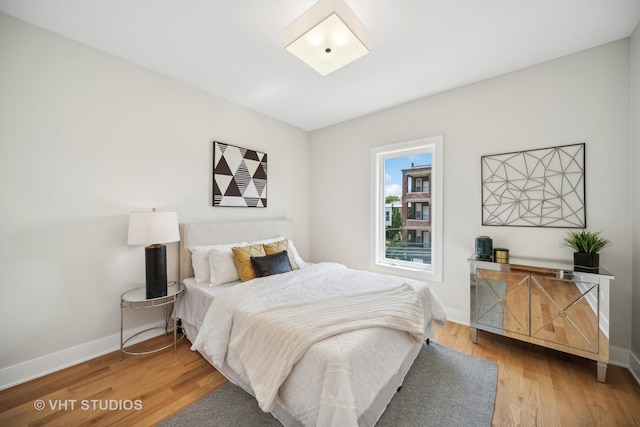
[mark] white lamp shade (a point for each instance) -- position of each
(148, 228)
(328, 36)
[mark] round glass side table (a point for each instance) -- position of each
(135, 299)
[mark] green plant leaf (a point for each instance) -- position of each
(585, 241)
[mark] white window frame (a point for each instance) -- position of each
(430, 272)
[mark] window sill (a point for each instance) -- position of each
(423, 274)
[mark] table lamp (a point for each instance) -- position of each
(153, 229)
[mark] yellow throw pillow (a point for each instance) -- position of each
(242, 258)
(282, 245)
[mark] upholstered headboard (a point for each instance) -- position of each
(204, 234)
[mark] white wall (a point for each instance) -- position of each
(635, 160)
(580, 98)
(86, 138)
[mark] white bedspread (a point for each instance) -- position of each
(337, 378)
(274, 339)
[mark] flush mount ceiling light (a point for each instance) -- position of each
(328, 36)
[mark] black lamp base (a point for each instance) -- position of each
(156, 265)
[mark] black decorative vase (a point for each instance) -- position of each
(156, 269)
(583, 260)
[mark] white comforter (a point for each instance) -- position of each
(337, 378)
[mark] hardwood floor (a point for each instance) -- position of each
(536, 387)
(544, 387)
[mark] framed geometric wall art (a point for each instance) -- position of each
(239, 176)
(535, 188)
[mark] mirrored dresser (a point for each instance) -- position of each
(548, 303)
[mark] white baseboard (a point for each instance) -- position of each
(634, 366)
(619, 356)
(625, 359)
(457, 316)
(35, 368)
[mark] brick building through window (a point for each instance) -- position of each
(416, 206)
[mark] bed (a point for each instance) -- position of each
(344, 368)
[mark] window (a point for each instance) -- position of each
(418, 214)
(413, 172)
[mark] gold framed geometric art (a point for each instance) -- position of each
(536, 188)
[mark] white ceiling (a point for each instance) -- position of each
(233, 48)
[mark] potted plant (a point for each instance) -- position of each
(586, 245)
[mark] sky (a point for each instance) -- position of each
(393, 171)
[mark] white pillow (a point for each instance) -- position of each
(200, 260)
(296, 255)
(292, 247)
(222, 267)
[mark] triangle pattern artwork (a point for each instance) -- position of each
(239, 176)
(535, 188)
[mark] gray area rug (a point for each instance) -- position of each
(443, 388)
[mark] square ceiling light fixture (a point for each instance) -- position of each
(328, 36)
